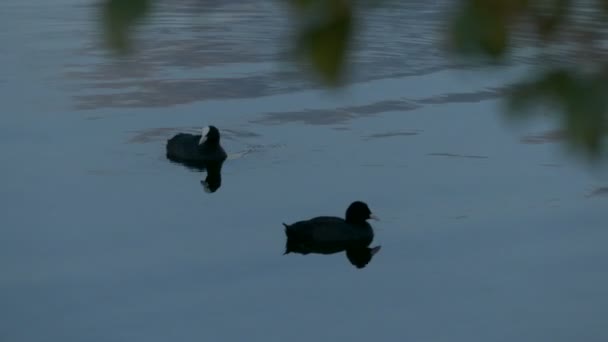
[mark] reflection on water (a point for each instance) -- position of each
(214, 177)
(393, 134)
(601, 191)
(185, 55)
(456, 155)
(213, 180)
(103, 239)
(551, 136)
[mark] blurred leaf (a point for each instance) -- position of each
(508, 9)
(548, 87)
(479, 30)
(324, 41)
(548, 20)
(581, 103)
(118, 19)
(303, 4)
(586, 116)
(603, 5)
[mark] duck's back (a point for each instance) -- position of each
(327, 234)
(184, 147)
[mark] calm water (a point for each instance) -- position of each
(485, 236)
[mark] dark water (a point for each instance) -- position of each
(489, 232)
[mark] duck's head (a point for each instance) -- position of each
(358, 212)
(210, 134)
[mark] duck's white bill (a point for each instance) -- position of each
(204, 133)
(374, 217)
(375, 250)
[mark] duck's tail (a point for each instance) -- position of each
(288, 243)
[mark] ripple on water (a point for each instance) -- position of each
(187, 37)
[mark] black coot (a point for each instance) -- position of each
(196, 149)
(201, 152)
(328, 235)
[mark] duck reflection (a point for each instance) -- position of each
(213, 181)
(201, 152)
(329, 235)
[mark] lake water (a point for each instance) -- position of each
(489, 232)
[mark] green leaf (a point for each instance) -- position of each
(580, 103)
(118, 19)
(549, 20)
(324, 43)
(477, 31)
(303, 4)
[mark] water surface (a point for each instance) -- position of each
(489, 232)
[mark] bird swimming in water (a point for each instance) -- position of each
(329, 235)
(196, 149)
(201, 152)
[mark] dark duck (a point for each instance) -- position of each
(329, 235)
(201, 152)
